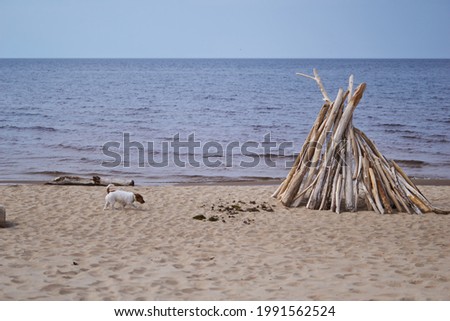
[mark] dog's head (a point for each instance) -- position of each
(138, 198)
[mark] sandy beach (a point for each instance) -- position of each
(61, 245)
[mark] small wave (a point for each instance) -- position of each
(18, 113)
(36, 128)
(77, 148)
(258, 127)
(412, 137)
(399, 131)
(268, 155)
(412, 163)
(213, 97)
(437, 138)
(42, 128)
(52, 173)
(145, 108)
(392, 125)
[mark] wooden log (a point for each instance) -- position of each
(405, 194)
(318, 80)
(348, 112)
(320, 84)
(299, 197)
(404, 186)
(94, 181)
(315, 191)
(383, 195)
(334, 186)
(366, 179)
(388, 184)
(418, 202)
(399, 190)
(349, 193)
(338, 195)
(440, 211)
(327, 189)
(415, 191)
(375, 191)
(105, 181)
(407, 179)
(321, 140)
(358, 166)
(416, 197)
(356, 152)
(399, 196)
(369, 198)
(319, 187)
(294, 186)
(370, 143)
(352, 158)
(356, 194)
(381, 191)
(350, 86)
(328, 192)
(2, 216)
(311, 137)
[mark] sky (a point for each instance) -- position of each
(224, 28)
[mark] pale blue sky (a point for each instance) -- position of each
(225, 28)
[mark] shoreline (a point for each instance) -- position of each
(226, 182)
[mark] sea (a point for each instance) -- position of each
(166, 121)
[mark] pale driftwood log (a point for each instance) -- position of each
(331, 150)
(327, 190)
(388, 184)
(313, 168)
(105, 181)
(94, 181)
(311, 137)
(349, 194)
(317, 79)
(383, 196)
(375, 194)
(338, 193)
(314, 171)
(348, 112)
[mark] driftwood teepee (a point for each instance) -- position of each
(338, 160)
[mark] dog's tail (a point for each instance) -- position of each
(110, 188)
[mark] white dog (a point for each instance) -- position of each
(122, 197)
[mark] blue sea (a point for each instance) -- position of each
(161, 121)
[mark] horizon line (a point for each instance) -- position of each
(236, 58)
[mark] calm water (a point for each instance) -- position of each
(57, 115)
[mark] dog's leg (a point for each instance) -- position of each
(106, 206)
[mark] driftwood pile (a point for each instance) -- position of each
(338, 161)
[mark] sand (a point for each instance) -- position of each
(61, 245)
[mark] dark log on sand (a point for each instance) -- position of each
(94, 181)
